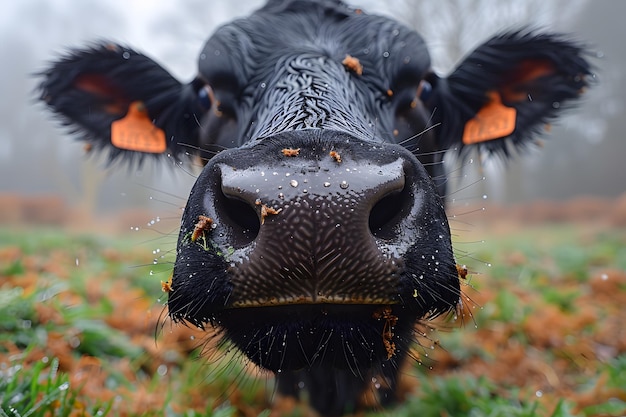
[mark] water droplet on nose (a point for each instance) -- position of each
(344, 185)
(326, 184)
(281, 196)
(126, 55)
(162, 370)
(293, 183)
(385, 54)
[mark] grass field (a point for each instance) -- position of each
(83, 332)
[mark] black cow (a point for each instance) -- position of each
(318, 239)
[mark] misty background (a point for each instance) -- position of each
(584, 153)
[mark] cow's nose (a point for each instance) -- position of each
(330, 197)
(323, 226)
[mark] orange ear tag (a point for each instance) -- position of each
(493, 121)
(135, 131)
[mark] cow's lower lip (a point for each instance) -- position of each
(304, 315)
(321, 300)
(356, 310)
(292, 337)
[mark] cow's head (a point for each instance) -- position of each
(318, 238)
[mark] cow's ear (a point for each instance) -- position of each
(121, 101)
(509, 87)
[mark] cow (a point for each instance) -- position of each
(315, 236)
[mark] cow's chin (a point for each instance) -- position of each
(356, 337)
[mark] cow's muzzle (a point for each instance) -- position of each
(311, 233)
(313, 222)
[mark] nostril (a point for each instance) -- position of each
(240, 216)
(388, 212)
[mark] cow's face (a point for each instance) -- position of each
(318, 238)
(328, 236)
(315, 213)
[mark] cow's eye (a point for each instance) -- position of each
(424, 90)
(204, 97)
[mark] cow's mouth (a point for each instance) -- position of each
(318, 300)
(291, 337)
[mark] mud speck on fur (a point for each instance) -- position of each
(204, 224)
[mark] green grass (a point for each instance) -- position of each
(40, 390)
(66, 300)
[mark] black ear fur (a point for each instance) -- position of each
(505, 64)
(91, 88)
